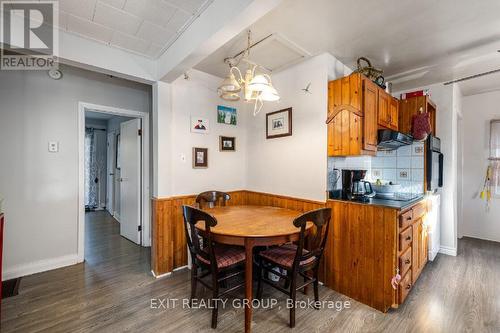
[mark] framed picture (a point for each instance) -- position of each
(279, 124)
(227, 143)
(200, 125)
(200, 158)
(226, 115)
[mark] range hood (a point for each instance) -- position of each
(391, 140)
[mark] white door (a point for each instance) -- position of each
(110, 174)
(130, 180)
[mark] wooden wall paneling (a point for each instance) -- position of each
(169, 242)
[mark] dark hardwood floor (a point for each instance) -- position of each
(112, 292)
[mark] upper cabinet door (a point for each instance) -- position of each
(393, 113)
(345, 92)
(370, 101)
(383, 108)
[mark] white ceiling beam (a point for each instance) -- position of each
(86, 53)
(220, 22)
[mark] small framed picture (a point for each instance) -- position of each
(200, 125)
(226, 115)
(227, 143)
(279, 124)
(200, 158)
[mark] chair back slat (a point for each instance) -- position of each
(212, 199)
(317, 240)
(192, 216)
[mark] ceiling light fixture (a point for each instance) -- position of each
(254, 87)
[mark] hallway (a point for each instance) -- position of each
(103, 242)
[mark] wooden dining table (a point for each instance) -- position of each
(251, 226)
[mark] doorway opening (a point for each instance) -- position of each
(113, 180)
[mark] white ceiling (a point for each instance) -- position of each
(415, 42)
(144, 27)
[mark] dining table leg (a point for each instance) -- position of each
(248, 283)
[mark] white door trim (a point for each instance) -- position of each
(146, 215)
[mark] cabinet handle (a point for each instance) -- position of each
(408, 238)
(407, 261)
(408, 218)
(408, 287)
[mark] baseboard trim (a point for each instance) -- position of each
(450, 251)
(39, 266)
(161, 275)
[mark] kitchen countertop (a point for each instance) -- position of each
(400, 205)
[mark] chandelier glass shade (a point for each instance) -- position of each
(252, 87)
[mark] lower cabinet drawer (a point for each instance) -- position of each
(405, 261)
(405, 287)
(405, 238)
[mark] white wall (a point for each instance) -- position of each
(295, 165)
(478, 110)
(226, 171)
(41, 188)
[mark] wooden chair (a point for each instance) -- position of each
(221, 262)
(212, 198)
(295, 259)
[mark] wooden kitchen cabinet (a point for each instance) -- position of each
(383, 108)
(393, 113)
(410, 107)
(345, 93)
(352, 116)
(388, 108)
(368, 244)
(344, 134)
(370, 112)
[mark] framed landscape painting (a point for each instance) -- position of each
(279, 124)
(226, 115)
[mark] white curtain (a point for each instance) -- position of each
(90, 169)
(495, 156)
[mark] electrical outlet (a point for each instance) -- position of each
(53, 146)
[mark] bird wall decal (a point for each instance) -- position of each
(306, 89)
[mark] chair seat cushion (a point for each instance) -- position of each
(284, 255)
(226, 256)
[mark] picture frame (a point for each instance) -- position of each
(200, 158)
(279, 123)
(200, 125)
(227, 143)
(226, 115)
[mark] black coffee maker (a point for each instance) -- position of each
(354, 187)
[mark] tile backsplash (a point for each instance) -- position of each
(404, 166)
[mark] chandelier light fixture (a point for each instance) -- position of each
(254, 87)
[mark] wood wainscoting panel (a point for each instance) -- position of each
(169, 249)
